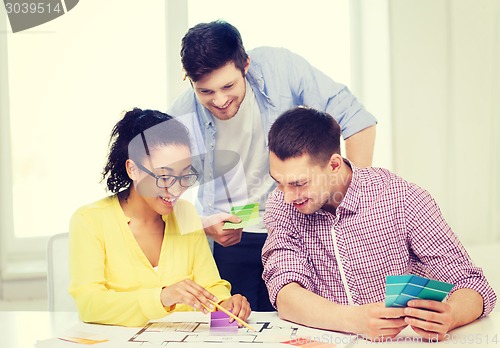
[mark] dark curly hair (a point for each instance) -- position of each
(135, 125)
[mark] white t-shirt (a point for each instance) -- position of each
(241, 159)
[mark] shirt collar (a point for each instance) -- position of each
(256, 80)
(118, 208)
(206, 115)
(254, 77)
(354, 191)
(351, 200)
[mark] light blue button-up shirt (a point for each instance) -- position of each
(280, 81)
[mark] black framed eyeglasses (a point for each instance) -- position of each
(167, 181)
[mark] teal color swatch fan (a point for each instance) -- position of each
(403, 288)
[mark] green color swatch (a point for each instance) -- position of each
(248, 213)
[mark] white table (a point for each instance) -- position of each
(23, 329)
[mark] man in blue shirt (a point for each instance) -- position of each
(235, 98)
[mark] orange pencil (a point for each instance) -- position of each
(222, 309)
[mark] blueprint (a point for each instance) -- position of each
(175, 329)
(190, 332)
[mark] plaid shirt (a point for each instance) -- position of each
(384, 226)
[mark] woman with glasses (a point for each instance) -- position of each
(141, 253)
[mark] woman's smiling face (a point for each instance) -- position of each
(163, 160)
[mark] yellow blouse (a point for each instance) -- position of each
(113, 282)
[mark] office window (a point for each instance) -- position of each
(68, 83)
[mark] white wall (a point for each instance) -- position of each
(370, 70)
(445, 78)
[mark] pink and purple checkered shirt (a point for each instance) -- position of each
(384, 226)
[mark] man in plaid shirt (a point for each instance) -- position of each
(336, 231)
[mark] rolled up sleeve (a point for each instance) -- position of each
(315, 89)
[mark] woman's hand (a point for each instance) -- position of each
(239, 306)
(187, 292)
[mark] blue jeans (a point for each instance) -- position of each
(241, 265)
